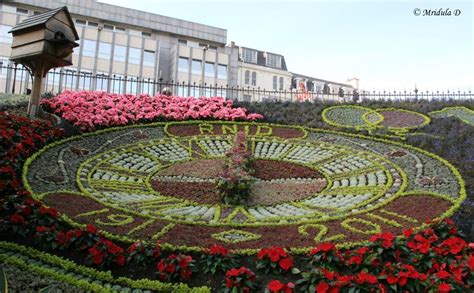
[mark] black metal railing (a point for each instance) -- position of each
(17, 80)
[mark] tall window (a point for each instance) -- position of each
(282, 86)
(273, 60)
(5, 37)
(131, 86)
(101, 81)
(209, 69)
(85, 79)
(196, 67)
(247, 77)
(69, 79)
(134, 55)
(88, 48)
(249, 55)
(104, 50)
(222, 71)
(183, 65)
(149, 58)
(275, 83)
(117, 84)
(254, 78)
(120, 52)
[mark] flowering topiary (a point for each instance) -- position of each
(274, 259)
(234, 184)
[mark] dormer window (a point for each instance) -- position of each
(273, 60)
(249, 55)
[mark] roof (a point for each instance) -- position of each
(297, 75)
(41, 19)
(261, 59)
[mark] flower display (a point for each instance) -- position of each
(92, 109)
(175, 267)
(274, 259)
(240, 280)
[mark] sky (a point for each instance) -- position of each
(383, 43)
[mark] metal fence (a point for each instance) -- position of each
(17, 79)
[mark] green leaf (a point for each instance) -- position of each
(295, 271)
(3, 281)
(47, 289)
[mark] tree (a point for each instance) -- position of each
(326, 89)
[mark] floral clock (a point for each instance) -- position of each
(157, 182)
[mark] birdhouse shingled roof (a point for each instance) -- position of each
(41, 19)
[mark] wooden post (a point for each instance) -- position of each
(34, 104)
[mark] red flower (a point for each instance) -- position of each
(471, 262)
(120, 259)
(322, 287)
(364, 277)
(218, 250)
(408, 232)
(42, 229)
(277, 286)
(52, 212)
(392, 279)
(386, 237)
(184, 261)
(444, 287)
(443, 274)
(17, 219)
(91, 229)
(324, 247)
(286, 263)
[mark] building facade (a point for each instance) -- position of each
(129, 51)
(125, 46)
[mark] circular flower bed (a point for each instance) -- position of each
(394, 120)
(157, 182)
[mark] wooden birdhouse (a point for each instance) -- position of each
(42, 42)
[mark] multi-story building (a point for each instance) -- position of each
(126, 46)
(129, 51)
(259, 70)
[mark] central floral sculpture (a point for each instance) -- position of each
(235, 182)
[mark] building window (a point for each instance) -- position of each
(69, 79)
(93, 24)
(120, 29)
(273, 60)
(282, 86)
(101, 81)
(247, 77)
(247, 98)
(5, 37)
(222, 71)
(145, 34)
(22, 11)
(81, 22)
(275, 83)
(149, 58)
(208, 92)
(85, 78)
(36, 12)
(3, 67)
(88, 48)
(182, 91)
(131, 86)
(117, 84)
(183, 65)
(105, 50)
(134, 55)
(108, 27)
(249, 55)
(196, 67)
(254, 78)
(209, 69)
(120, 53)
(182, 42)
